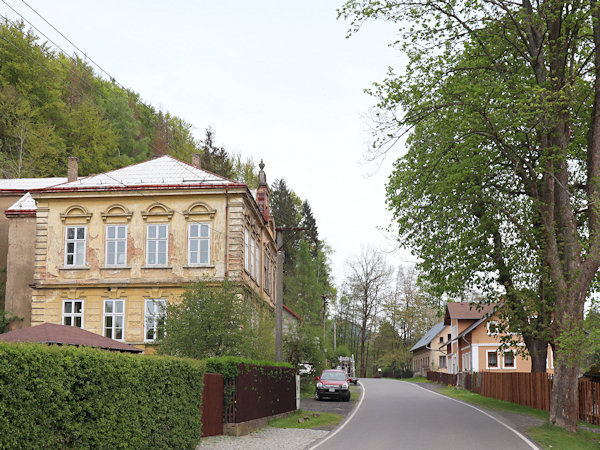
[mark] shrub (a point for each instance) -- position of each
(81, 397)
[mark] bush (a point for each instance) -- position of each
(81, 397)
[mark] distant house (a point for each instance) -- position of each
(430, 352)
(106, 252)
(474, 344)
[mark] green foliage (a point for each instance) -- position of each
(342, 350)
(304, 347)
(72, 397)
(217, 319)
(6, 318)
(228, 365)
(551, 437)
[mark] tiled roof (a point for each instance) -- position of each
(472, 311)
(25, 203)
(161, 172)
(429, 336)
(50, 333)
(26, 184)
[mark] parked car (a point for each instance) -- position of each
(334, 384)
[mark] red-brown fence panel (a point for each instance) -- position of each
(212, 405)
(589, 402)
(259, 391)
(440, 377)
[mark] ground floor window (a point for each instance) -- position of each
(114, 316)
(73, 313)
(442, 362)
(509, 359)
(492, 359)
(154, 322)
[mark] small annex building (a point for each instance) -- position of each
(429, 353)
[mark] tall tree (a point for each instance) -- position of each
(366, 284)
(215, 158)
(515, 90)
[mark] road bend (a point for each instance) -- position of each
(400, 415)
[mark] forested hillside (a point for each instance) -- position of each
(53, 105)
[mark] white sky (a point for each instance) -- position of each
(276, 80)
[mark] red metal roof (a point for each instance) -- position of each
(292, 313)
(51, 333)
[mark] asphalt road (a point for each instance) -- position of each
(401, 415)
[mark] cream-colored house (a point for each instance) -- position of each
(429, 353)
(110, 250)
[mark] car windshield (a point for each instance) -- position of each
(334, 376)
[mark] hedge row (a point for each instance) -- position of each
(81, 397)
(228, 365)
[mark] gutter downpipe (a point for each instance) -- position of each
(226, 232)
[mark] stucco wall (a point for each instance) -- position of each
(6, 201)
(21, 245)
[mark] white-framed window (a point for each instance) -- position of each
(492, 328)
(154, 318)
(114, 317)
(509, 360)
(73, 313)
(257, 265)
(491, 359)
(198, 243)
(116, 245)
(267, 272)
(157, 243)
(247, 249)
(75, 237)
(252, 257)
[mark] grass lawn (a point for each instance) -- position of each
(291, 421)
(354, 393)
(419, 379)
(557, 438)
(547, 436)
(470, 397)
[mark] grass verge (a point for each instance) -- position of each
(291, 421)
(470, 397)
(557, 438)
(354, 393)
(415, 380)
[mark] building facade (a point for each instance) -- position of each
(110, 250)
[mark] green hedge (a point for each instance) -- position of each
(81, 397)
(228, 365)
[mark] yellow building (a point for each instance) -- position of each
(111, 249)
(429, 353)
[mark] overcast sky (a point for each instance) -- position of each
(276, 80)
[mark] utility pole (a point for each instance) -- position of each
(324, 298)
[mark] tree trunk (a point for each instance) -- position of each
(363, 362)
(563, 401)
(538, 352)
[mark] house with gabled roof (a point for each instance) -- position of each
(429, 353)
(108, 251)
(475, 341)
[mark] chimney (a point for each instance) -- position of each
(262, 193)
(72, 168)
(196, 160)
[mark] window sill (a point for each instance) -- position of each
(157, 267)
(115, 267)
(199, 266)
(74, 268)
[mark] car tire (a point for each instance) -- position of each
(317, 396)
(347, 397)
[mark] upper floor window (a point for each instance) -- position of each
(252, 257)
(114, 314)
(157, 240)
(75, 245)
(267, 273)
(199, 243)
(73, 313)
(154, 318)
(116, 245)
(492, 328)
(247, 249)
(257, 265)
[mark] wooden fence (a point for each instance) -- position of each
(212, 405)
(259, 391)
(527, 389)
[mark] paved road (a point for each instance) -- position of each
(401, 415)
(329, 405)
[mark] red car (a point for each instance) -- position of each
(334, 384)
